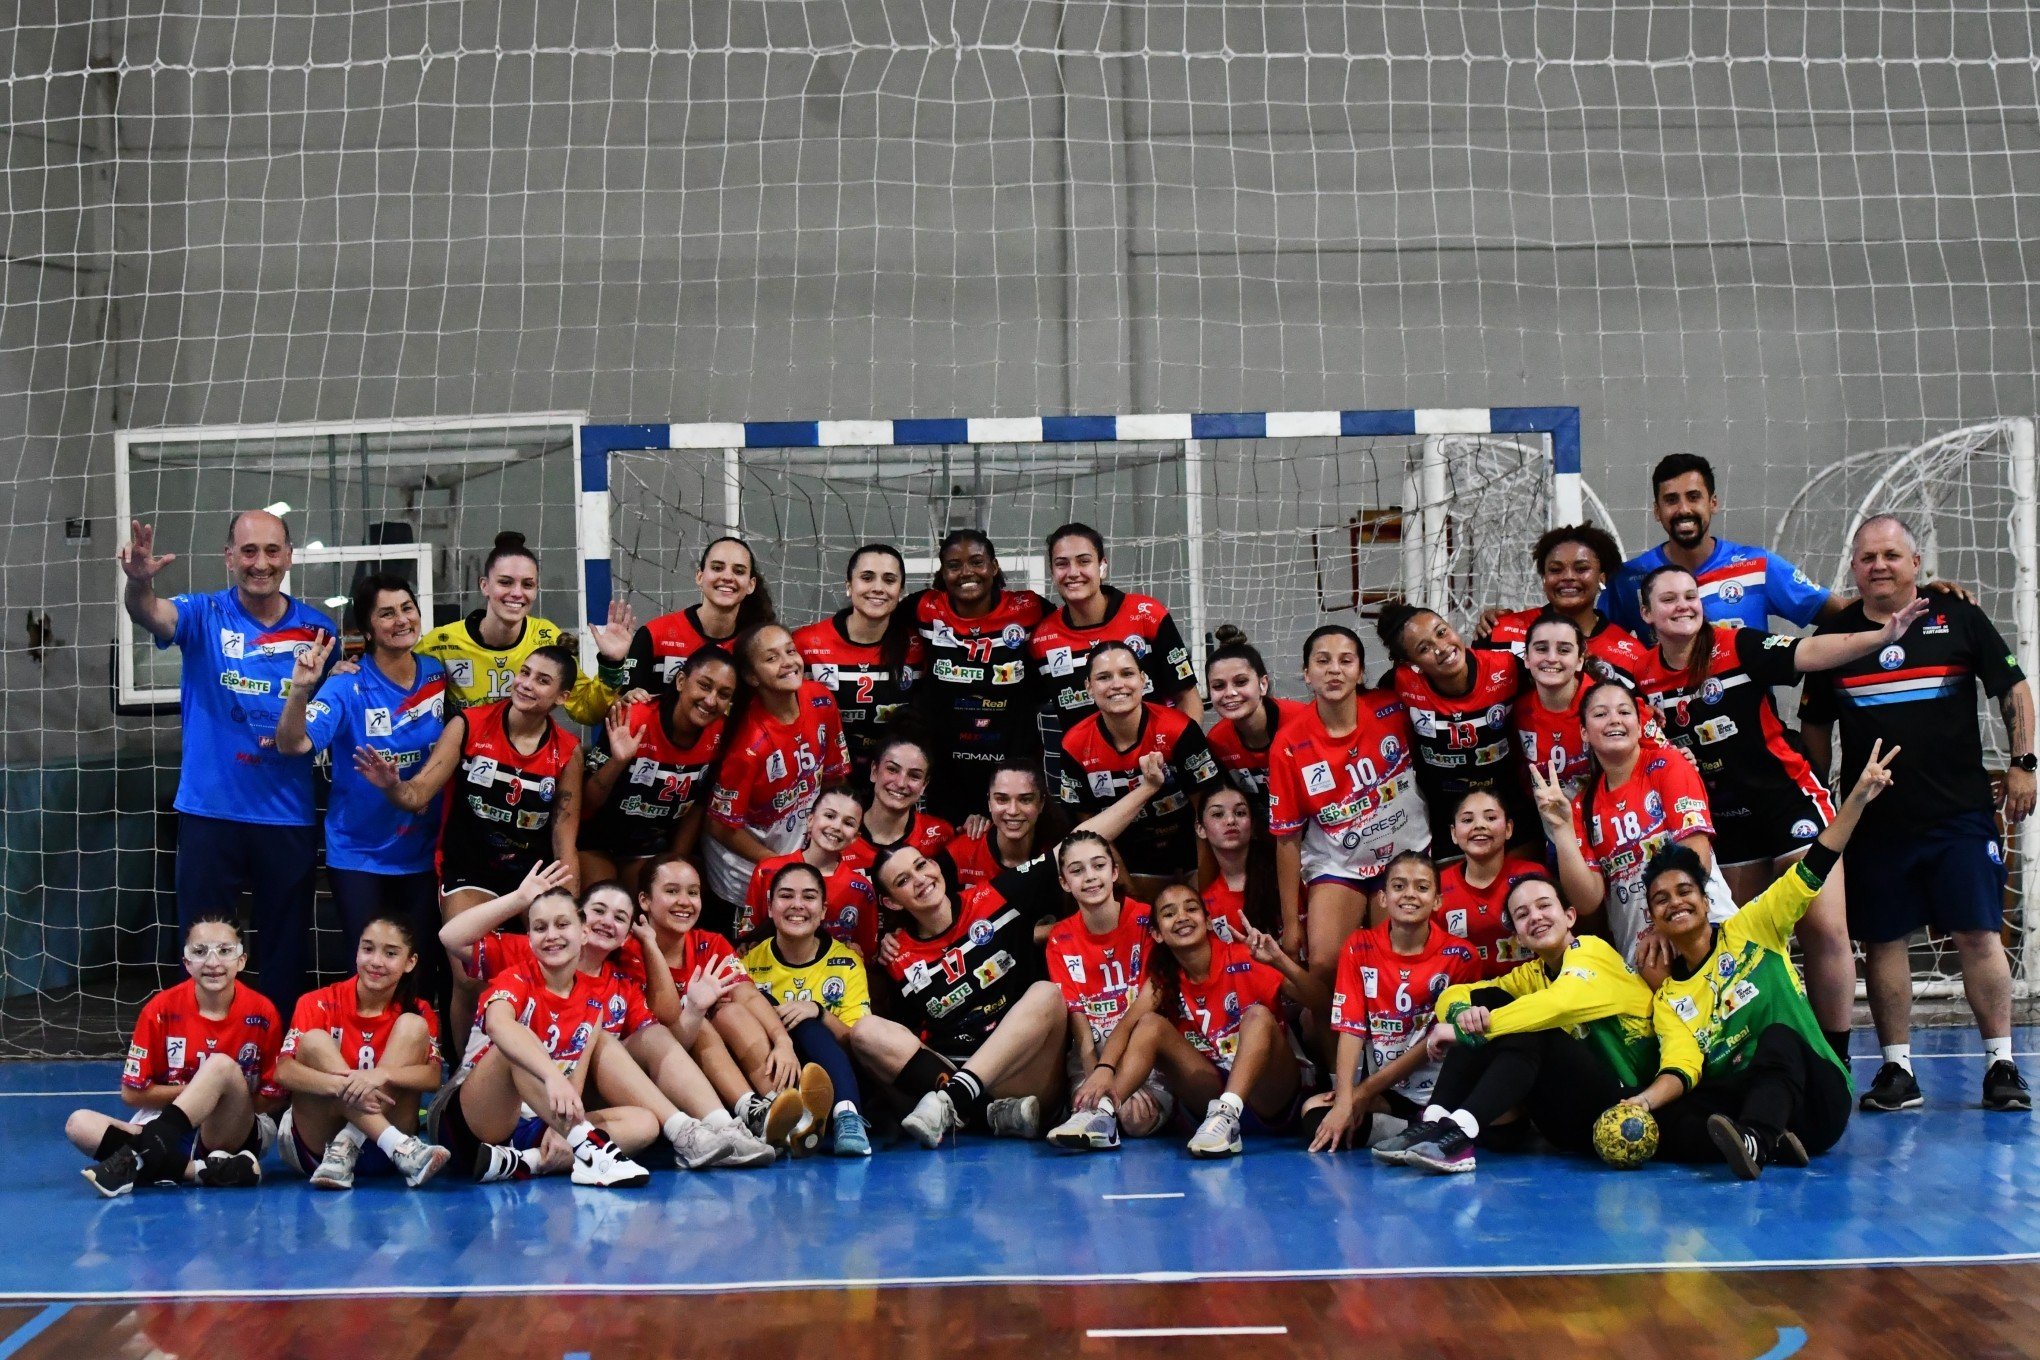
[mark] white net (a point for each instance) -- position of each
(1771, 233)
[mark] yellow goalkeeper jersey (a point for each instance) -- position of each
(1595, 997)
(835, 980)
(479, 674)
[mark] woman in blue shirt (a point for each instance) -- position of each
(379, 858)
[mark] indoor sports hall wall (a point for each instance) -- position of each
(1773, 234)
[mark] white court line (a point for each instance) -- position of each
(31, 1095)
(1136, 1332)
(598, 1287)
(1159, 1194)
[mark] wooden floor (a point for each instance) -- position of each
(1908, 1313)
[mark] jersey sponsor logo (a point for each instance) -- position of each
(1455, 921)
(377, 721)
(1101, 784)
(1370, 983)
(1892, 657)
(531, 821)
(462, 670)
(1059, 661)
(1203, 766)
(948, 1002)
(1715, 730)
(1179, 657)
(1936, 625)
(481, 770)
(173, 1051)
(1685, 1008)
(316, 710)
(1317, 777)
(243, 684)
(1073, 964)
(1685, 805)
(232, 644)
(993, 968)
(945, 669)
(1778, 639)
(1009, 672)
(775, 765)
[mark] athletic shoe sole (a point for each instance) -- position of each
(1728, 1141)
(2012, 1105)
(784, 1119)
(435, 1163)
(1082, 1141)
(1790, 1151)
(113, 1192)
(1912, 1102)
(818, 1097)
(1439, 1166)
(332, 1183)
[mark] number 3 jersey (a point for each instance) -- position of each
(956, 986)
(1354, 798)
(1386, 998)
(500, 810)
(361, 1039)
(1099, 974)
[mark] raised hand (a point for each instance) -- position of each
(309, 661)
(543, 878)
(1876, 776)
(137, 557)
(1264, 948)
(377, 768)
(612, 639)
(624, 740)
(1554, 808)
(1154, 771)
(1895, 626)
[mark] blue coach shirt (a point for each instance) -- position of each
(1739, 584)
(236, 675)
(365, 830)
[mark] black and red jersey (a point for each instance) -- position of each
(499, 816)
(926, 832)
(661, 647)
(976, 693)
(1247, 766)
(1919, 693)
(1613, 653)
(1096, 773)
(956, 986)
(1463, 741)
(666, 781)
(867, 692)
(1728, 721)
(1060, 651)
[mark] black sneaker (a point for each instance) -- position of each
(1447, 1152)
(1739, 1147)
(229, 1171)
(1789, 1151)
(1894, 1089)
(1396, 1147)
(117, 1175)
(2004, 1088)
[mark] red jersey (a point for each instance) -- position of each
(1210, 1011)
(566, 1025)
(665, 782)
(1227, 908)
(1463, 742)
(771, 774)
(1613, 653)
(1386, 998)
(1100, 974)
(1540, 732)
(1245, 765)
(1060, 651)
(362, 1039)
(1662, 802)
(502, 950)
(956, 986)
(975, 859)
(866, 691)
(173, 1037)
(1095, 774)
(926, 832)
(1480, 915)
(849, 903)
(1354, 798)
(661, 647)
(499, 817)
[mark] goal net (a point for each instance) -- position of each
(1968, 495)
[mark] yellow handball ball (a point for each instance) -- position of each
(1625, 1136)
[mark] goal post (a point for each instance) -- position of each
(1228, 517)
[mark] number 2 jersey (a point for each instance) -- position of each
(665, 781)
(1385, 998)
(868, 692)
(1100, 973)
(173, 1036)
(956, 986)
(1354, 798)
(501, 801)
(361, 1039)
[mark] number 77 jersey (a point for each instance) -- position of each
(1354, 798)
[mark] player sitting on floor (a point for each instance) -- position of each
(1390, 976)
(615, 944)
(202, 1070)
(1209, 1020)
(359, 1057)
(1559, 1039)
(1745, 1074)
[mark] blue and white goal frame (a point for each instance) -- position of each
(594, 444)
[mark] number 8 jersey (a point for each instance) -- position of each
(1354, 798)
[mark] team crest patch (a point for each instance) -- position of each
(1653, 806)
(980, 932)
(1391, 751)
(1995, 851)
(1892, 657)
(1014, 636)
(1498, 715)
(1732, 592)
(1710, 691)
(1804, 829)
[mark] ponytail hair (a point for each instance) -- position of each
(898, 638)
(756, 608)
(509, 543)
(560, 657)
(1396, 616)
(1697, 664)
(406, 998)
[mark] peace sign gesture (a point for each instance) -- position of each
(1554, 805)
(309, 661)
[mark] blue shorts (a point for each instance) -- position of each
(1950, 876)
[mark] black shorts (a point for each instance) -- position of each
(1950, 875)
(494, 874)
(446, 1124)
(1767, 825)
(626, 838)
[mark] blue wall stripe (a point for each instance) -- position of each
(1377, 422)
(781, 434)
(931, 431)
(1230, 425)
(1066, 429)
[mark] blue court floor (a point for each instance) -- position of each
(1946, 1184)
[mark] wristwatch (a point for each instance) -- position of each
(2028, 762)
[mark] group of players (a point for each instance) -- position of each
(962, 859)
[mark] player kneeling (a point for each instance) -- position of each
(202, 1071)
(551, 1037)
(1209, 1020)
(358, 1057)
(1745, 1075)
(1556, 1040)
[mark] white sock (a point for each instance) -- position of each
(1465, 1121)
(389, 1140)
(1901, 1054)
(349, 1134)
(531, 1159)
(843, 1105)
(676, 1125)
(1233, 1103)
(1105, 1104)
(1997, 1050)
(577, 1136)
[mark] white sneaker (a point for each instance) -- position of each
(1219, 1134)
(419, 1160)
(931, 1120)
(1014, 1117)
(742, 1149)
(335, 1170)
(601, 1164)
(1091, 1130)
